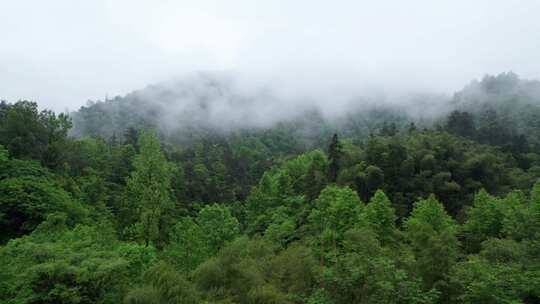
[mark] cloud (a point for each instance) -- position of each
(62, 52)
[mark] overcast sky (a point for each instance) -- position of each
(63, 52)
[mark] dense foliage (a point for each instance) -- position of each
(370, 210)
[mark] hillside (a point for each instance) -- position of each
(202, 192)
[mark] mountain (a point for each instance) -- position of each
(215, 104)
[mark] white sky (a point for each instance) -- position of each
(64, 52)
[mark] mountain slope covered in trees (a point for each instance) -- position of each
(140, 199)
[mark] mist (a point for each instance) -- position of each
(62, 53)
(222, 103)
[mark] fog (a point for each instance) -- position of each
(62, 53)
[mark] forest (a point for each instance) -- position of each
(129, 201)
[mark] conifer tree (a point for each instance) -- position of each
(335, 153)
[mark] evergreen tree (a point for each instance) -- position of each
(335, 153)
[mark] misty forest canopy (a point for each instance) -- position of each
(198, 192)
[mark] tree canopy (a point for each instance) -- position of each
(378, 207)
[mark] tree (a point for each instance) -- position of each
(316, 178)
(282, 228)
(336, 211)
(236, 273)
(367, 273)
(431, 233)
(371, 180)
(131, 137)
(149, 188)
(163, 285)
(334, 157)
(495, 275)
(3, 155)
(294, 270)
(380, 217)
(492, 130)
(461, 124)
(56, 264)
(412, 128)
(388, 130)
(478, 281)
(485, 219)
(218, 226)
(32, 134)
(188, 247)
(28, 194)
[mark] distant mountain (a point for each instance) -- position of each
(206, 104)
(505, 99)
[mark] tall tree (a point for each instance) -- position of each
(380, 217)
(336, 211)
(432, 235)
(316, 178)
(484, 220)
(335, 153)
(149, 188)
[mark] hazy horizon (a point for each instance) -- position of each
(63, 53)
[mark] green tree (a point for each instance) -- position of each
(218, 226)
(496, 275)
(461, 123)
(163, 285)
(3, 155)
(380, 217)
(32, 134)
(294, 270)
(236, 273)
(28, 194)
(372, 180)
(316, 178)
(149, 189)
(192, 241)
(484, 219)
(335, 154)
(188, 247)
(282, 228)
(365, 273)
(534, 212)
(432, 236)
(336, 211)
(56, 264)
